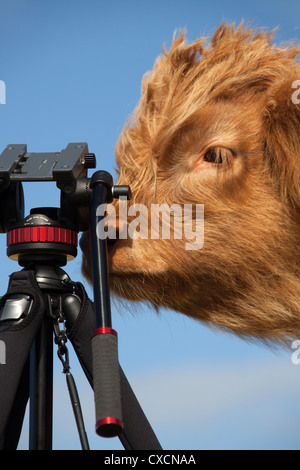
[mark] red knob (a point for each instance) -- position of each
(41, 234)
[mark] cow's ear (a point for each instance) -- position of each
(282, 136)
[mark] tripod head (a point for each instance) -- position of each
(49, 234)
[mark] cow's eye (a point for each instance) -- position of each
(214, 155)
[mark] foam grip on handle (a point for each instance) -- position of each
(106, 383)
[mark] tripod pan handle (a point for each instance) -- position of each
(106, 382)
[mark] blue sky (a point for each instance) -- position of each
(73, 72)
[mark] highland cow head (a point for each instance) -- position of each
(216, 126)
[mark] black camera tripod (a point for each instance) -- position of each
(41, 300)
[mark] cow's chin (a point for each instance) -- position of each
(141, 286)
(136, 267)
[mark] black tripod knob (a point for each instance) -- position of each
(89, 160)
(121, 190)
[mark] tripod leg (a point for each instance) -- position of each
(137, 433)
(17, 335)
(14, 425)
(41, 388)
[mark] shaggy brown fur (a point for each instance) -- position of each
(232, 95)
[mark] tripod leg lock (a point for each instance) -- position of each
(106, 378)
(15, 309)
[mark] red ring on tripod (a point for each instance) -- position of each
(109, 427)
(41, 234)
(105, 330)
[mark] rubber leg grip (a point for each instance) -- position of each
(106, 383)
